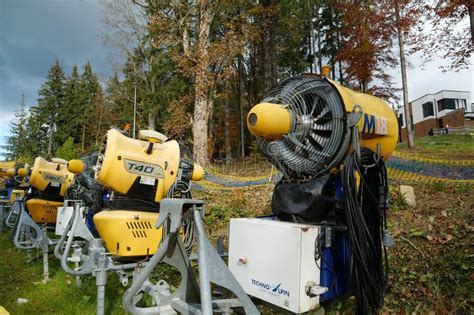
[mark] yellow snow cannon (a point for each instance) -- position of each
(140, 172)
(51, 179)
(331, 144)
(5, 166)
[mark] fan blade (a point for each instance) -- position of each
(322, 114)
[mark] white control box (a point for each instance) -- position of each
(274, 261)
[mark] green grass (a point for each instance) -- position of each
(19, 279)
(440, 226)
(442, 146)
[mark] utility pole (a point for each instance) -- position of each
(134, 107)
(408, 122)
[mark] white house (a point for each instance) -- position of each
(438, 105)
(436, 110)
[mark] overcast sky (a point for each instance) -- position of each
(34, 33)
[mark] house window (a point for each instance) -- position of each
(446, 103)
(428, 109)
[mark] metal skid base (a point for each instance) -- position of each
(189, 298)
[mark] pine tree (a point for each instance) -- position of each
(119, 102)
(67, 150)
(69, 116)
(17, 145)
(50, 102)
(88, 89)
(37, 135)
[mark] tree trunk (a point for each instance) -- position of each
(228, 145)
(270, 64)
(319, 55)
(83, 144)
(151, 113)
(151, 121)
(50, 142)
(408, 122)
(202, 84)
(471, 16)
(211, 132)
(241, 108)
(311, 36)
(200, 120)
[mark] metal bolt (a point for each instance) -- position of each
(243, 260)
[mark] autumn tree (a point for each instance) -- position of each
(405, 16)
(368, 39)
(200, 50)
(447, 31)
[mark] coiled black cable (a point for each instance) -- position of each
(182, 189)
(365, 203)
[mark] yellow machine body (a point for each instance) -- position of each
(5, 166)
(378, 124)
(128, 233)
(126, 161)
(16, 194)
(50, 174)
(43, 211)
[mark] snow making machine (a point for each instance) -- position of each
(14, 182)
(47, 182)
(327, 236)
(136, 176)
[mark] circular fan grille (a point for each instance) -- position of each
(318, 126)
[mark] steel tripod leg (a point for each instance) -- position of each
(26, 239)
(45, 251)
(2, 218)
(213, 269)
(101, 281)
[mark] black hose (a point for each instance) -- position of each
(365, 204)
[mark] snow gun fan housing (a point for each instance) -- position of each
(303, 127)
(141, 172)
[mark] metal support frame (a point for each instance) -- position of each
(3, 205)
(189, 298)
(95, 262)
(28, 235)
(13, 213)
